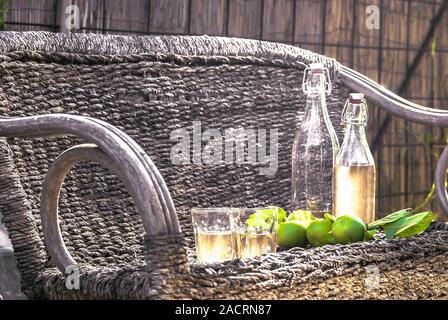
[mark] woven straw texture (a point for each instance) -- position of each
(148, 87)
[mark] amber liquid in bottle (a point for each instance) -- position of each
(358, 196)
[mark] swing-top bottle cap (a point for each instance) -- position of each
(317, 67)
(316, 78)
(355, 110)
(356, 97)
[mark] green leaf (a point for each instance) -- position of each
(301, 215)
(267, 213)
(390, 218)
(281, 215)
(264, 214)
(256, 221)
(414, 227)
(370, 235)
(262, 217)
(329, 217)
(409, 226)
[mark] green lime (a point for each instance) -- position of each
(318, 232)
(291, 234)
(348, 229)
(331, 239)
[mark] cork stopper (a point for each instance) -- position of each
(356, 98)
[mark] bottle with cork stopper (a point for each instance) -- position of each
(354, 170)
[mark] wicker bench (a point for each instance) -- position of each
(103, 108)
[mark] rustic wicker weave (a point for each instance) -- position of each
(147, 87)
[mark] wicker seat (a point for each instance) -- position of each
(147, 87)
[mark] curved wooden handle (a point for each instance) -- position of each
(50, 197)
(440, 181)
(392, 102)
(113, 149)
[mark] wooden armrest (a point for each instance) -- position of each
(440, 181)
(111, 148)
(391, 102)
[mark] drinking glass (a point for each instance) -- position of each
(255, 231)
(214, 233)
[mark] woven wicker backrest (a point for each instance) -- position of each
(148, 87)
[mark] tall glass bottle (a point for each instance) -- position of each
(354, 177)
(315, 147)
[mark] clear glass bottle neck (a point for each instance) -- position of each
(354, 119)
(355, 148)
(316, 113)
(355, 129)
(315, 92)
(315, 84)
(316, 98)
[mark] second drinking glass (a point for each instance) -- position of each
(255, 231)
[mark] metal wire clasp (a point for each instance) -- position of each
(365, 111)
(327, 82)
